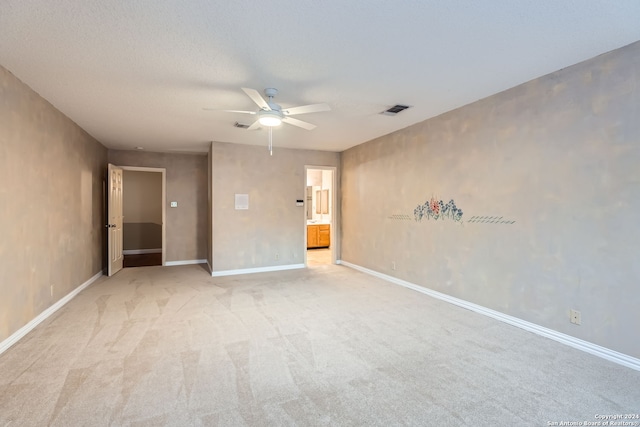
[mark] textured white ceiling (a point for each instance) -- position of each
(138, 73)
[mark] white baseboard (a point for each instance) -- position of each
(185, 262)
(596, 350)
(16, 336)
(142, 251)
(256, 270)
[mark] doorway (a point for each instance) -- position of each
(320, 214)
(143, 216)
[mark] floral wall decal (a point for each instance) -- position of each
(437, 209)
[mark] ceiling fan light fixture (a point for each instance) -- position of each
(270, 119)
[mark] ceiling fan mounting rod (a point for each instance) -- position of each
(271, 92)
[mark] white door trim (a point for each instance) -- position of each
(163, 171)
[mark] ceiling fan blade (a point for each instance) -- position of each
(299, 123)
(239, 111)
(255, 125)
(230, 111)
(313, 108)
(257, 98)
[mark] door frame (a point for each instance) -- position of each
(163, 171)
(334, 209)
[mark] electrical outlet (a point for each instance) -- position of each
(393, 265)
(277, 255)
(575, 317)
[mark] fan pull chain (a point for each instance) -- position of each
(271, 140)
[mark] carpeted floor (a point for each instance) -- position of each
(330, 346)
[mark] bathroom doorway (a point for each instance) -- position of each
(320, 214)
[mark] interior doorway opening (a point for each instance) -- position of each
(143, 217)
(320, 214)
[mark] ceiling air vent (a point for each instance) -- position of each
(241, 125)
(394, 110)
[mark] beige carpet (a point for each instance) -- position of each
(161, 346)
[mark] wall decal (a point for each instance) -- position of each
(401, 217)
(437, 209)
(490, 220)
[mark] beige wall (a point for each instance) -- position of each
(51, 225)
(186, 183)
(141, 235)
(142, 197)
(273, 224)
(560, 156)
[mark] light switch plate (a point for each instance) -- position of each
(174, 204)
(242, 201)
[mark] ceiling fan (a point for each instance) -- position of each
(271, 114)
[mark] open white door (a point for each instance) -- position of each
(114, 215)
